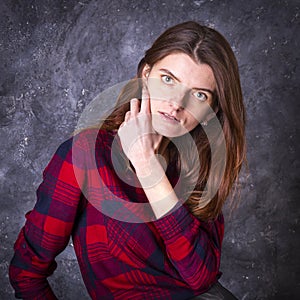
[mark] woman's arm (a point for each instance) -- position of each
(48, 226)
(193, 247)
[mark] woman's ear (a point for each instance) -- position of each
(146, 71)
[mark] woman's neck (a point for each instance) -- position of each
(162, 149)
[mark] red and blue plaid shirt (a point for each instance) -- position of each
(175, 257)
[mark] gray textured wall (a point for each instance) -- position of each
(56, 56)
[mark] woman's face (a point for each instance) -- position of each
(181, 92)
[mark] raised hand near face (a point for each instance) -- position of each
(138, 138)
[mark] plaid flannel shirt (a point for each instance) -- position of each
(175, 257)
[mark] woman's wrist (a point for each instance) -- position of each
(157, 187)
(151, 171)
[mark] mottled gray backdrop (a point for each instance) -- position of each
(56, 56)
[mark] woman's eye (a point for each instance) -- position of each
(167, 79)
(200, 96)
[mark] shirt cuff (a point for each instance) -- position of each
(173, 224)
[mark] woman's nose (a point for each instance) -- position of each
(176, 105)
(179, 99)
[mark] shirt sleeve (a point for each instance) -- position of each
(49, 225)
(193, 246)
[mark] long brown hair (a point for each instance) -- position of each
(207, 46)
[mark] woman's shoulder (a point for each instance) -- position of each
(92, 138)
(85, 141)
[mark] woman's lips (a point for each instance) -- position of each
(168, 117)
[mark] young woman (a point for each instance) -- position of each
(142, 195)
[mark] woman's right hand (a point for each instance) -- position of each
(138, 138)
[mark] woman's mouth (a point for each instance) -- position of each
(168, 117)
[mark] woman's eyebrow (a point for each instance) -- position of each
(169, 73)
(206, 90)
(195, 88)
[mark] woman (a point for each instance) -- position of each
(142, 196)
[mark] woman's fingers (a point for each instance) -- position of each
(145, 105)
(127, 116)
(134, 106)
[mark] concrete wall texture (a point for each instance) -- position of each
(56, 56)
